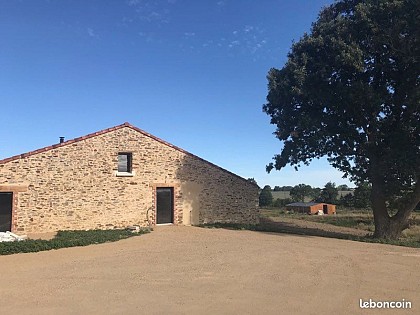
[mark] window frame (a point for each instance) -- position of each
(128, 167)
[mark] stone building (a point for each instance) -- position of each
(118, 177)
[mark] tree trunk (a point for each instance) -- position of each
(387, 227)
(380, 212)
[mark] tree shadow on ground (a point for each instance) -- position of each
(296, 227)
(269, 225)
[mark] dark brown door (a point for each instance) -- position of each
(164, 205)
(6, 199)
(325, 209)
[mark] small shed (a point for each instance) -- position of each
(311, 207)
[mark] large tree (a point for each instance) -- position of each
(299, 192)
(266, 197)
(350, 91)
(329, 193)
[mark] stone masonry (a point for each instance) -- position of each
(75, 185)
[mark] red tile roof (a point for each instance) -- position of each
(91, 135)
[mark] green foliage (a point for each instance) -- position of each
(362, 196)
(299, 192)
(266, 198)
(360, 199)
(316, 193)
(282, 188)
(350, 91)
(343, 187)
(347, 201)
(329, 193)
(66, 239)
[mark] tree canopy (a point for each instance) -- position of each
(350, 91)
(329, 193)
(343, 187)
(299, 192)
(266, 197)
(361, 197)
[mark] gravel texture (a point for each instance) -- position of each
(190, 270)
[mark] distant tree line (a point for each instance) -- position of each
(343, 187)
(330, 193)
(283, 188)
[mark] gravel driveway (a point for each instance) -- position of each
(189, 270)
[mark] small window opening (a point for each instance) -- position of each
(125, 162)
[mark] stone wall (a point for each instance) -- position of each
(74, 185)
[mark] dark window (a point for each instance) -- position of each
(125, 162)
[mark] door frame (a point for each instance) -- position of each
(15, 189)
(12, 209)
(172, 190)
(176, 202)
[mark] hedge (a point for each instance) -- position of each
(67, 239)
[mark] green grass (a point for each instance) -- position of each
(65, 239)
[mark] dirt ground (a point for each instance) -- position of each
(189, 270)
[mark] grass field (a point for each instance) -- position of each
(360, 221)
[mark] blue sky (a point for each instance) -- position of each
(190, 72)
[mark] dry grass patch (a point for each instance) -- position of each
(353, 224)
